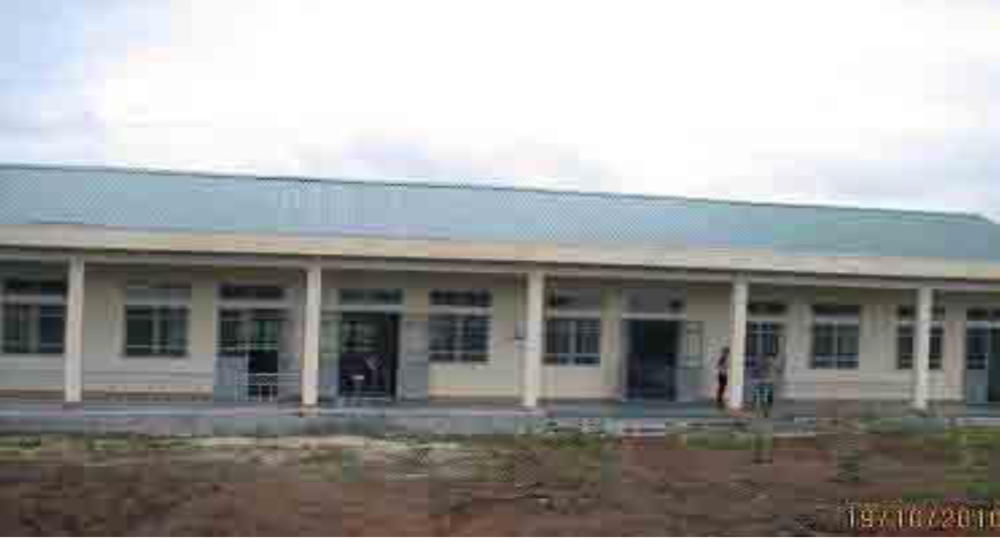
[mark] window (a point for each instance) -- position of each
(763, 340)
(34, 317)
(977, 348)
(242, 330)
(157, 293)
(767, 309)
(836, 336)
(156, 331)
(462, 299)
(458, 338)
(251, 292)
(34, 329)
(653, 302)
(837, 310)
(906, 338)
(573, 341)
(577, 300)
(47, 288)
(984, 315)
(376, 297)
(156, 319)
(835, 345)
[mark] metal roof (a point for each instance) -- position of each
(167, 200)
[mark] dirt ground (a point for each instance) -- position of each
(702, 483)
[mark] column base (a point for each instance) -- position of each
(308, 411)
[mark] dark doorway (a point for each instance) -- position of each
(369, 347)
(652, 361)
(993, 367)
(256, 335)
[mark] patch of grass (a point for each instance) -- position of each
(330, 456)
(20, 446)
(721, 441)
(983, 490)
(135, 444)
(568, 458)
(926, 496)
(20, 442)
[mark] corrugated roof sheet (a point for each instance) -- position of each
(164, 200)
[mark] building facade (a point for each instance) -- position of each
(121, 283)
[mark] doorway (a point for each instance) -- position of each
(765, 339)
(255, 337)
(653, 350)
(369, 354)
(982, 373)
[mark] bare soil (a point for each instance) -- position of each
(712, 484)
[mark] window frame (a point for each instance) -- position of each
(166, 302)
(838, 320)
(35, 303)
(160, 344)
(253, 297)
(575, 357)
(464, 300)
(661, 304)
(370, 298)
(984, 326)
(458, 351)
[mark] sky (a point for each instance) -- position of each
(868, 103)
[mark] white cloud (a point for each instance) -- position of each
(767, 99)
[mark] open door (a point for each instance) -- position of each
(654, 348)
(369, 347)
(993, 367)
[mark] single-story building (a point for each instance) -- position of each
(124, 282)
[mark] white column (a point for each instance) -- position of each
(737, 342)
(533, 340)
(73, 371)
(311, 336)
(922, 347)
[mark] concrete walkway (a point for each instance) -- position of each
(424, 417)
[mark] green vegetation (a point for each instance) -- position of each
(720, 441)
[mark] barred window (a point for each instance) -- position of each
(905, 341)
(766, 308)
(378, 297)
(462, 299)
(836, 345)
(34, 328)
(156, 331)
(983, 314)
(251, 292)
(241, 330)
(837, 310)
(47, 288)
(573, 341)
(978, 346)
(575, 300)
(648, 301)
(459, 338)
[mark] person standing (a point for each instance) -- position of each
(722, 378)
(771, 371)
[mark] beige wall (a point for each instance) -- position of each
(501, 375)
(106, 369)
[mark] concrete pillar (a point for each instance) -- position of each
(738, 342)
(311, 336)
(534, 333)
(922, 347)
(73, 371)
